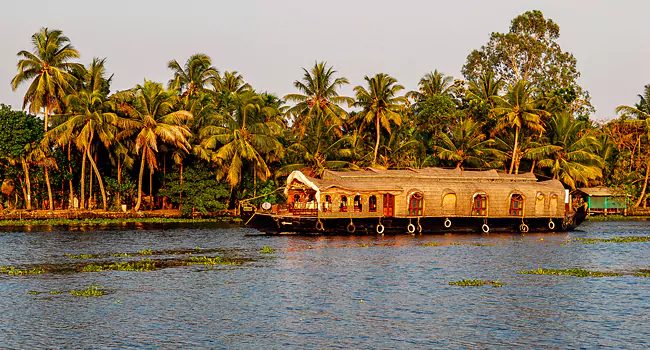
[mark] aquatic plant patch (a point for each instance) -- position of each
(267, 250)
(642, 273)
(10, 270)
(430, 244)
(622, 239)
(217, 260)
(569, 272)
(142, 265)
(83, 256)
(476, 283)
(91, 291)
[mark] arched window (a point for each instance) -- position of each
(552, 204)
(344, 204)
(358, 204)
(327, 204)
(372, 204)
(516, 205)
(416, 204)
(539, 203)
(479, 205)
(449, 204)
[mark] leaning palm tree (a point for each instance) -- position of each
(195, 76)
(465, 145)
(88, 118)
(153, 120)
(244, 137)
(575, 159)
(48, 68)
(641, 112)
(380, 104)
(518, 111)
(319, 100)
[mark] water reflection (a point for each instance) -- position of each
(318, 291)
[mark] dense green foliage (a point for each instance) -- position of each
(210, 141)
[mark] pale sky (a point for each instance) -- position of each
(268, 42)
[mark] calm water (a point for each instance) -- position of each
(327, 292)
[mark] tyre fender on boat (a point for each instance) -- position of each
(523, 228)
(380, 229)
(351, 228)
(485, 228)
(447, 223)
(551, 225)
(410, 228)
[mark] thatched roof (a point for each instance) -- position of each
(428, 173)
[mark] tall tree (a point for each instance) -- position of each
(380, 104)
(153, 121)
(431, 84)
(529, 52)
(195, 76)
(641, 114)
(465, 145)
(319, 101)
(518, 111)
(48, 68)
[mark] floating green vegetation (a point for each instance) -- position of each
(475, 283)
(83, 256)
(362, 244)
(623, 239)
(642, 273)
(142, 265)
(455, 243)
(91, 291)
(145, 252)
(430, 244)
(34, 292)
(56, 292)
(482, 244)
(217, 260)
(267, 250)
(569, 272)
(10, 270)
(121, 254)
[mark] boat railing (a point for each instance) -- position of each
(303, 208)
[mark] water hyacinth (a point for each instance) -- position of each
(568, 272)
(475, 283)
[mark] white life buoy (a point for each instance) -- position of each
(485, 228)
(380, 229)
(410, 228)
(551, 225)
(351, 228)
(523, 228)
(447, 223)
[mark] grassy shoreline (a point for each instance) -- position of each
(618, 217)
(113, 221)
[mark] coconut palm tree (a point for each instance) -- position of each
(88, 118)
(641, 112)
(153, 120)
(575, 159)
(48, 68)
(233, 83)
(432, 83)
(466, 145)
(380, 104)
(246, 136)
(318, 101)
(195, 76)
(517, 110)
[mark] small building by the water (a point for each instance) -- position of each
(602, 200)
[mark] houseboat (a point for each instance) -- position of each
(429, 200)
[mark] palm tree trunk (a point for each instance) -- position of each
(47, 174)
(514, 151)
(90, 187)
(151, 188)
(118, 197)
(71, 204)
(137, 204)
(99, 177)
(83, 183)
(49, 188)
(180, 195)
(374, 160)
(645, 185)
(28, 185)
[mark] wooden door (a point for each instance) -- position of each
(389, 205)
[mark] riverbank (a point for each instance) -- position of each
(101, 218)
(617, 217)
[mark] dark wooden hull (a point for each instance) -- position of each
(278, 224)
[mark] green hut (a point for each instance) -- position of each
(602, 200)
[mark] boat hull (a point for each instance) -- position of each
(282, 224)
